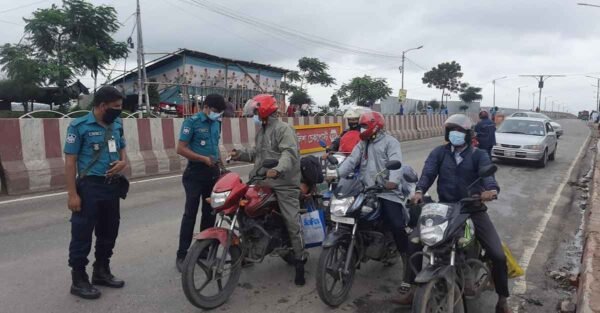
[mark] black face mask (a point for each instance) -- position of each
(110, 115)
(354, 126)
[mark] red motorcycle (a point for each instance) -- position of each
(249, 227)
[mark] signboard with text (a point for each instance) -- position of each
(309, 136)
(402, 95)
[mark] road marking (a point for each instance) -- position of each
(520, 286)
(133, 182)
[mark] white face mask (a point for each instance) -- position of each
(257, 120)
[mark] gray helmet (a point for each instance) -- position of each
(461, 121)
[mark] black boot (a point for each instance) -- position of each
(299, 279)
(102, 276)
(81, 286)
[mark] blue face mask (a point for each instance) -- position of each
(214, 116)
(457, 138)
(257, 120)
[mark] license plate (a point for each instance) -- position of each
(343, 220)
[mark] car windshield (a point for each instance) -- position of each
(524, 127)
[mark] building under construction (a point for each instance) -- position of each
(184, 77)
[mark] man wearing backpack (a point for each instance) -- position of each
(278, 140)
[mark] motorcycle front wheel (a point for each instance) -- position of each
(202, 283)
(433, 298)
(330, 274)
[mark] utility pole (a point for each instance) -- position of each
(519, 97)
(541, 79)
(597, 92)
(533, 101)
(546, 103)
(403, 59)
(142, 75)
(552, 107)
(494, 83)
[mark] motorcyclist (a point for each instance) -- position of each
(486, 132)
(376, 148)
(456, 166)
(351, 136)
(277, 140)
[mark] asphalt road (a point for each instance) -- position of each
(34, 236)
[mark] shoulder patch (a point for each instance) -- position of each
(71, 138)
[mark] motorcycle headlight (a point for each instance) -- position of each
(217, 199)
(431, 235)
(339, 207)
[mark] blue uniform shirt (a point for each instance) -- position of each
(202, 135)
(85, 135)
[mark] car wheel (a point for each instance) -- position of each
(544, 160)
(552, 156)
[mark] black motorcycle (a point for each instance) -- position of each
(454, 264)
(358, 234)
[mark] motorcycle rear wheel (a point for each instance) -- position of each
(331, 264)
(432, 298)
(202, 258)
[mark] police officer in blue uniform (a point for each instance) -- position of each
(94, 157)
(199, 143)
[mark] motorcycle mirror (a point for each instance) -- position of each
(270, 163)
(409, 174)
(393, 165)
(488, 170)
(332, 160)
(322, 143)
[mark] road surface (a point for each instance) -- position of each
(34, 236)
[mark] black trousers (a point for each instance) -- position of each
(394, 217)
(100, 213)
(198, 181)
(486, 234)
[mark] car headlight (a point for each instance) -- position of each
(534, 147)
(432, 234)
(339, 207)
(217, 199)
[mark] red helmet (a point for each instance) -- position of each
(266, 105)
(370, 123)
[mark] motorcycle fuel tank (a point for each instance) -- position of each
(260, 200)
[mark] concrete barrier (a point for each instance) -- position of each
(31, 158)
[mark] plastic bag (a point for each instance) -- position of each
(514, 270)
(313, 228)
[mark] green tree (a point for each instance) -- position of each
(26, 74)
(74, 39)
(300, 97)
(153, 94)
(363, 90)
(464, 107)
(311, 71)
(420, 106)
(469, 93)
(334, 103)
(15, 91)
(446, 76)
(434, 104)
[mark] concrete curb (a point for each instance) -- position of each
(589, 281)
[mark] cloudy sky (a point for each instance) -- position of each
(490, 39)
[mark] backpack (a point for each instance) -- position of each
(312, 172)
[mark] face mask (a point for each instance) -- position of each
(457, 138)
(257, 120)
(214, 116)
(354, 126)
(110, 115)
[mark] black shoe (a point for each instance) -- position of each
(299, 279)
(406, 294)
(81, 286)
(102, 276)
(179, 264)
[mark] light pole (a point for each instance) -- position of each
(597, 92)
(403, 58)
(519, 97)
(589, 5)
(546, 102)
(494, 83)
(533, 102)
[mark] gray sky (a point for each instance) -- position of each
(490, 39)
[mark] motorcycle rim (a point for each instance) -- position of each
(333, 285)
(433, 298)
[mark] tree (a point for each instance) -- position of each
(363, 90)
(464, 107)
(434, 104)
(311, 71)
(74, 39)
(420, 106)
(25, 74)
(445, 77)
(470, 93)
(15, 91)
(300, 97)
(153, 94)
(334, 103)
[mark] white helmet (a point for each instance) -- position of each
(355, 112)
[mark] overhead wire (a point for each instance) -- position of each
(23, 6)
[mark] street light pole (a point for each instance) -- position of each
(533, 101)
(541, 79)
(546, 102)
(403, 59)
(597, 92)
(494, 83)
(519, 97)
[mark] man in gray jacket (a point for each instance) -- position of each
(371, 154)
(278, 140)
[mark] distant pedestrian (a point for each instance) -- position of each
(401, 109)
(486, 133)
(291, 110)
(304, 109)
(429, 110)
(94, 158)
(229, 109)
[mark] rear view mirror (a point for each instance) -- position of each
(322, 143)
(488, 170)
(393, 165)
(270, 163)
(332, 160)
(409, 174)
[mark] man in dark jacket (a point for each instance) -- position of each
(486, 132)
(456, 166)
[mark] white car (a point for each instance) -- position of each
(557, 128)
(526, 138)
